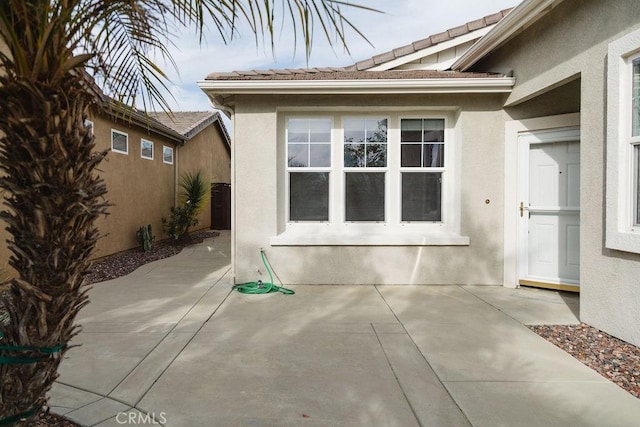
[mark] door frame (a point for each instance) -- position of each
(513, 152)
(526, 140)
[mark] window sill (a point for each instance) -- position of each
(289, 238)
(623, 241)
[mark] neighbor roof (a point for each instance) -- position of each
(191, 123)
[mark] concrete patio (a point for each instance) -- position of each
(171, 344)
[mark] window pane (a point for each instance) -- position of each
(433, 155)
(364, 194)
(354, 155)
(298, 130)
(298, 156)
(320, 130)
(635, 94)
(410, 155)
(147, 149)
(320, 155)
(167, 154)
(433, 130)
(377, 155)
(421, 197)
(354, 130)
(309, 196)
(411, 130)
(376, 130)
(119, 141)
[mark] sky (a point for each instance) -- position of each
(403, 22)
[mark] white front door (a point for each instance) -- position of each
(549, 211)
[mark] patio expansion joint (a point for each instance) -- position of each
(423, 358)
(404, 393)
(164, 338)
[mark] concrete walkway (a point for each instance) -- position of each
(172, 345)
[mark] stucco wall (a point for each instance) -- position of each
(259, 186)
(140, 190)
(570, 42)
(206, 151)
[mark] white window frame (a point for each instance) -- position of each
(164, 148)
(153, 150)
(621, 232)
(126, 135)
(393, 231)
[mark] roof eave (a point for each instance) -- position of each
(358, 86)
(523, 15)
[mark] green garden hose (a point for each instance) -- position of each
(261, 287)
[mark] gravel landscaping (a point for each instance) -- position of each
(612, 358)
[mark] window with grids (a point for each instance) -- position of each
(422, 151)
(309, 165)
(365, 166)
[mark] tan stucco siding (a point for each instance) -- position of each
(260, 181)
(571, 42)
(140, 190)
(206, 151)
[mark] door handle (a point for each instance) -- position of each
(522, 209)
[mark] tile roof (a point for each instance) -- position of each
(355, 71)
(189, 123)
(432, 40)
(344, 74)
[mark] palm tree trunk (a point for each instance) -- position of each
(53, 197)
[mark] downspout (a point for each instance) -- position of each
(176, 174)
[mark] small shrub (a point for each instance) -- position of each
(181, 219)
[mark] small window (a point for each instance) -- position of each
(119, 142)
(167, 155)
(146, 149)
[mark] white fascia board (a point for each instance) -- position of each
(359, 86)
(431, 50)
(523, 15)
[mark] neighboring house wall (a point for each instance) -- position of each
(570, 44)
(207, 151)
(476, 134)
(140, 190)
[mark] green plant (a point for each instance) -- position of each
(145, 237)
(181, 219)
(196, 190)
(194, 196)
